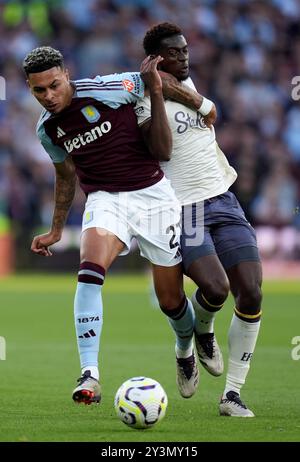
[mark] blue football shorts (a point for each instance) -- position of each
(217, 226)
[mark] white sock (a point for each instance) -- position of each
(183, 353)
(241, 341)
(204, 319)
(94, 371)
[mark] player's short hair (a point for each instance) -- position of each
(156, 34)
(41, 59)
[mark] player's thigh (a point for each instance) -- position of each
(100, 246)
(163, 251)
(105, 233)
(199, 256)
(233, 236)
(201, 262)
(157, 229)
(195, 240)
(236, 245)
(168, 284)
(235, 242)
(209, 275)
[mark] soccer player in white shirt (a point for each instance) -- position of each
(218, 243)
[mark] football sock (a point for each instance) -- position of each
(181, 320)
(183, 353)
(205, 313)
(242, 338)
(88, 314)
(93, 370)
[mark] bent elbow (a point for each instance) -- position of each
(161, 156)
(161, 153)
(167, 151)
(165, 157)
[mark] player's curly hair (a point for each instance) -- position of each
(41, 59)
(156, 34)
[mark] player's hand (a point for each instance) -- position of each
(40, 244)
(211, 117)
(149, 72)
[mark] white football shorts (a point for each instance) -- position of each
(151, 215)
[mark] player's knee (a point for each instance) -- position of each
(250, 299)
(216, 290)
(170, 300)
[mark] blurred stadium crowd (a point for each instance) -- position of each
(244, 55)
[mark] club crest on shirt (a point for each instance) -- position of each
(128, 85)
(139, 110)
(91, 114)
(89, 216)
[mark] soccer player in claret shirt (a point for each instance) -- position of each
(89, 129)
(218, 244)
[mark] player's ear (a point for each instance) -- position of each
(28, 84)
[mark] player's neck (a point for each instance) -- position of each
(72, 89)
(69, 97)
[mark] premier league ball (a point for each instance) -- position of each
(141, 402)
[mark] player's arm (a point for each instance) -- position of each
(156, 132)
(65, 182)
(177, 91)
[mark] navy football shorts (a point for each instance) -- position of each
(217, 226)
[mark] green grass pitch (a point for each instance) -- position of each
(41, 366)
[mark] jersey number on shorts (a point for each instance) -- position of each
(173, 242)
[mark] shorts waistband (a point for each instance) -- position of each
(212, 199)
(209, 200)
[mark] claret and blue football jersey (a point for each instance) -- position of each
(99, 131)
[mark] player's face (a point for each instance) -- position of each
(51, 88)
(175, 52)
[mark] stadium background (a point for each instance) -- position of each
(244, 55)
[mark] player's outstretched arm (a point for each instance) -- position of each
(65, 183)
(178, 91)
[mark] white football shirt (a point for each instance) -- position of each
(198, 169)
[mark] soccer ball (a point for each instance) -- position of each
(141, 402)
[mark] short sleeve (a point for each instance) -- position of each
(112, 90)
(56, 153)
(143, 110)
